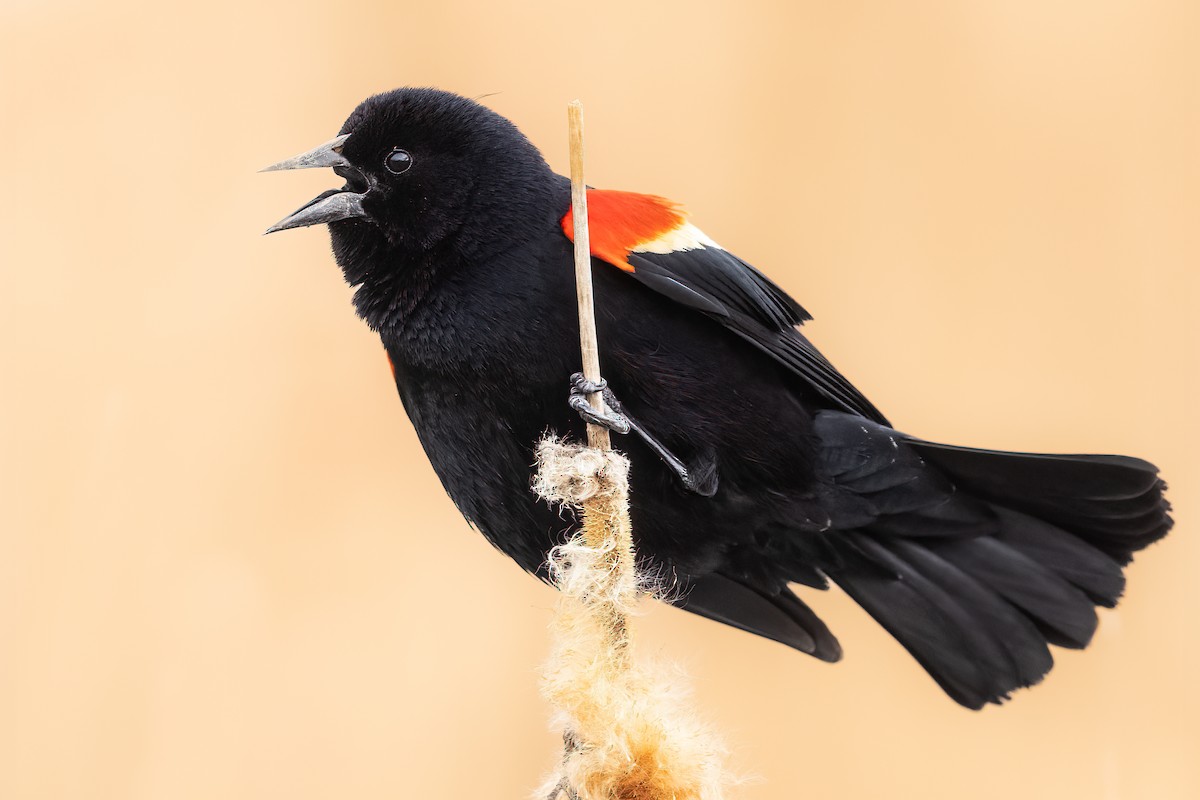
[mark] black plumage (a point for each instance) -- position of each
(974, 560)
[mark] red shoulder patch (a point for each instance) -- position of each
(621, 222)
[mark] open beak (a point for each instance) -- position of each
(328, 206)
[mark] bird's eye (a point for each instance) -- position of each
(398, 161)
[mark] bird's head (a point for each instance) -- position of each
(422, 167)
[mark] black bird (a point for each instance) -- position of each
(755, 463)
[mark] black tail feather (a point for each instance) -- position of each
(975, 560)
(987, 556)
(1098, 575)
(1115, 503)
(1062, 612)
(975, 646)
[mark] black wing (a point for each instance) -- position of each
(745, 301)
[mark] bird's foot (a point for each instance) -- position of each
(624, 422)
(581, 387)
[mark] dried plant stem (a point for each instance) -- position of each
(624, 735)
(627, 733)
(588, 343)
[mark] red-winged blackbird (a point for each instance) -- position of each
(755, 463)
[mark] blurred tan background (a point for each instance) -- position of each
(226, 569)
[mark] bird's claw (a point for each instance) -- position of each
(581, 387)
(613, 422)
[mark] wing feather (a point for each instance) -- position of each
(650, 238)
(747, 303)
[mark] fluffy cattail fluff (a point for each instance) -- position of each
(626, 735)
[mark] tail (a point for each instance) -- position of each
(982, 557)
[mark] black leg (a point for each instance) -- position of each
(581, 388)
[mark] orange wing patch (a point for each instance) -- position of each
(620, 223)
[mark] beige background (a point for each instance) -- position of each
(227, 571)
